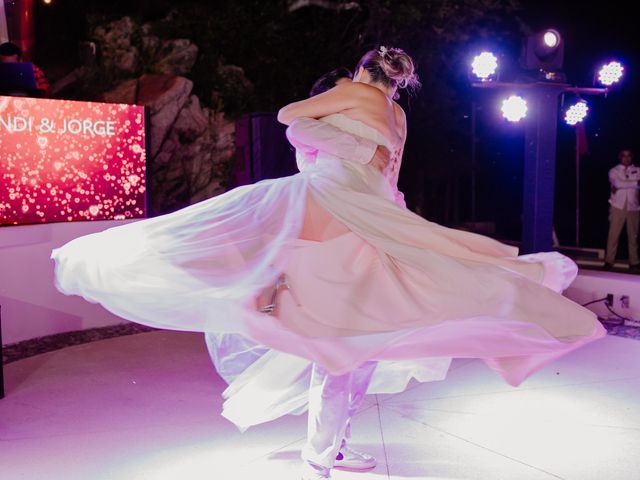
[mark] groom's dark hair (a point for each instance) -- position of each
(328, 80)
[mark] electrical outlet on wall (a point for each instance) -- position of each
(610, 299)
(625, 301)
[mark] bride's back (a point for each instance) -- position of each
(373, 108)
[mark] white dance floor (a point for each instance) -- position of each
(147, 406)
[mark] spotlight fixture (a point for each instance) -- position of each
(576, 113)
(484, 66)
(543, 51)
(544, 84)
(610, 73)
(514, 108)
(551, 38)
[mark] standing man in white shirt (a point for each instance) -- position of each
(624, 207)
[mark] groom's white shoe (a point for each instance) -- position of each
(354, 460)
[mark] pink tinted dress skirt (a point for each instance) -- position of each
(382, 284)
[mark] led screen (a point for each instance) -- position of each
(65, 161)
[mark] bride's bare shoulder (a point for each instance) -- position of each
(359, 91)
(346, 96)
(371, 93)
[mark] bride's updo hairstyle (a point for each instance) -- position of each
(392, 67)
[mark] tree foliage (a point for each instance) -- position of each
(282, 46)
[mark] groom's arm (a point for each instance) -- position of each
(309, 135)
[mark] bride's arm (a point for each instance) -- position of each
(339, 98)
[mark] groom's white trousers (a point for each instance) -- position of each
(333, 400)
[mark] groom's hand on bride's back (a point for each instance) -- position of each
(381, 158)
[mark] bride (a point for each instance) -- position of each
(324, 267)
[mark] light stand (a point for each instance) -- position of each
(540, 158)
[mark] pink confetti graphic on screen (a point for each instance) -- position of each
(63, 160)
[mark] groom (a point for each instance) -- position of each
(334, 399)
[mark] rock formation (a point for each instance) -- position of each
(191, 147)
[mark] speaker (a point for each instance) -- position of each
(262, 149)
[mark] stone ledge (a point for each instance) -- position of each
(36, 346)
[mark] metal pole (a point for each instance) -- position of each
(540, 158)
(539, 168)
(20, 24)
(577, 189)
(473, 161)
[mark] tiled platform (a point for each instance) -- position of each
(146, 406)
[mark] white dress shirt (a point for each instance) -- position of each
(308, 136)
(625, 180)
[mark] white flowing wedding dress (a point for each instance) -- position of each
(391, 286)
